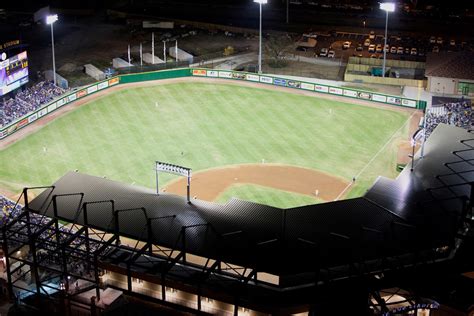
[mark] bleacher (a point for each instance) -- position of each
(458, 114)
(28, 100)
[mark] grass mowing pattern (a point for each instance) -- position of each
(121, 135)
(267, 196)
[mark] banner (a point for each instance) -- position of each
(238, 75)
(92, 89)
(365, 96)
(307, 86)
(333, 90)
(51, 107)
(72, 97)
(279, 82)
(42, 112)
(212, 73)
(253, 77)
(409, 103)
(60, 103)
(103, 85)
(319, 88)
(32, 117)
(294, 84)
(199, 72)
(114, 81)
(393, 100)
(379, 98)
(350, 93)
(225, 74)
(22, 123)
(81, 93)
(266, 79)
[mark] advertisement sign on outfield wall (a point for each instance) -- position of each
(350, 93)
(114, 81)
(279, 82)
(319, 88)
(251, 77)
(225, 74)
(212, 73)
(199, 72)
(333, 90)
(365, 95)
(409, 103)
(294, 84)
(379, 98)
(72, 97)
(81, 93)
(51, 107)
(238, 75)
(32, 117)
(393, 100)
(91, 89)
(103, 85)
(42, 112)
(307, 86)
(265, 79)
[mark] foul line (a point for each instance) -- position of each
(375, 156)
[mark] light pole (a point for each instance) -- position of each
(260, 2)
(50, 19)
(387, 7)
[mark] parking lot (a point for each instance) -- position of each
(371, 45)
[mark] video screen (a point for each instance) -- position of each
(13, 73)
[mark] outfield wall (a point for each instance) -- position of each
(71, 97)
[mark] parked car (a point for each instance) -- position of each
(393, 50)
(432, 40)
(331, 54)
(346, 45)
(323, 52)
(400, 50)
(373, 56)
(378, 49)
(414, 51)
(372, 48)
(387, 48)
(359, 47)
(452, 42)
(435, 49)
(421, 52)
(372, 35)
(439, 40)
(367, 42)
(407, 51)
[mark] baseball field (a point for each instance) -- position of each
(264, 145)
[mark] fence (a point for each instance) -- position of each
(69, 98)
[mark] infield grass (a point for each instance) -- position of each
(202, 126)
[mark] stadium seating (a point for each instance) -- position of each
(459, 114)
(28, 100)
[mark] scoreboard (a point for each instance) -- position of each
(13, 72)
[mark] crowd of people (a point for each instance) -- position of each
(28, 100)
(459, 114)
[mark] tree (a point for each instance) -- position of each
(276, 49)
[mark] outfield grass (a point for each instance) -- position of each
(121, 135)
(267, 196)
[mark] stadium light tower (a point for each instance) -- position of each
(260, 2)
(50, 19)
(387, 7)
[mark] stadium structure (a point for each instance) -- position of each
(85, 241)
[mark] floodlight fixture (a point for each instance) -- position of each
(387, 6)
(50, 19)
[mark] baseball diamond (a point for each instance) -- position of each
(212, 126)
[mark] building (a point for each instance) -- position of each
(450, 73)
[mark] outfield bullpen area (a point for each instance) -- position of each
(271, 145)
